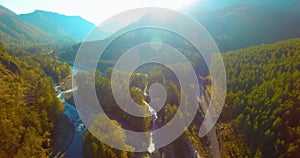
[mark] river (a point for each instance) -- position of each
(74, 149)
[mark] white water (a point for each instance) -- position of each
(151, 147)
(75, 148)
(66, 91)
(56, 87)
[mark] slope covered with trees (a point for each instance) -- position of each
(264, 96)
(157, 74)
(262, 112)
(29, 108)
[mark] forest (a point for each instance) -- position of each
(260, 118)
(29, 108)
(262, 104)
(263, 98)
(138, 81)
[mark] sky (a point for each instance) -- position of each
(95, 11)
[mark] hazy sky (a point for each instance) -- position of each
(93, 10)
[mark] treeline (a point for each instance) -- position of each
(29, 108)
(54, 68)
(263, 94)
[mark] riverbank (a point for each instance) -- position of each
(63, 136)
(69, 131)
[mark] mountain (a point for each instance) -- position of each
(240, 24)
(237, 24)
(217, 4)
(16, 32)
(43, 28)
(61, 25)
(233, 25)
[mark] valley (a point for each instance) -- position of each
(260, 118)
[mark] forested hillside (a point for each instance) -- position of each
(261, 117)
(264, 100)
(29, 108)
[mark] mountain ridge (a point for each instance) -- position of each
(18, 33)
(59, 24)
(239, 25)
(243, 24)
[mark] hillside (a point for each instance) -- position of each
(233, 26)
(56, 24)
(29, 108)
(261, 115)
(17, 33)
(263, 101)
(241, 25)
(216, 4)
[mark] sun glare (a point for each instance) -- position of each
(88, 9)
